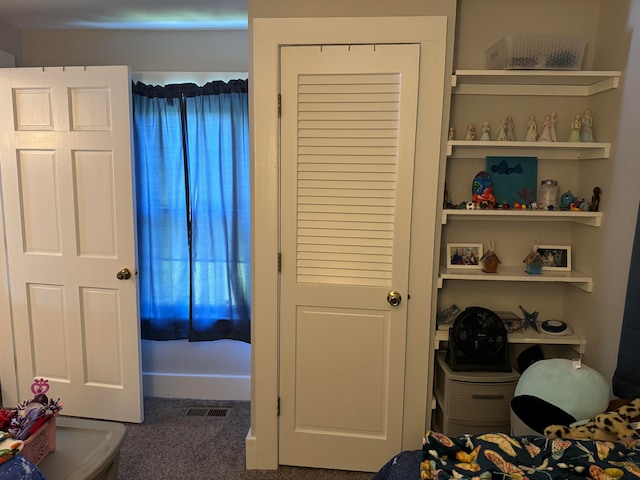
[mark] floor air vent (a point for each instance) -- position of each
(206, 412)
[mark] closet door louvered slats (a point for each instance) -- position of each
(347, 154)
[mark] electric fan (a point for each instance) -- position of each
(478, 341)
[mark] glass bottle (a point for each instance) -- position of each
(548, 194)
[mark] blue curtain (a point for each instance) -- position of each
(191, 147)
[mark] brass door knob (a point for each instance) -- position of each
(123, 274)
(394, 298)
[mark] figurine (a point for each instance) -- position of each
(485, 132)
(502, 131)
(529, 319)
(482, 190)
(595, 199)
(471, 132)
(532, 132)
(545, 136)
(451, 131)
(554, 121)
(509, 128)
(587, 127)
(566, 199)
(574, 136)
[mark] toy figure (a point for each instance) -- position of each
(485, 132)
(595, 199)
(574, 136)
(529, 319)
(545, 136)
(532, 131)
(482, 189)
(502, 131)
(471, 132)
(566, 199)
(587, 127)
(554, 121)
(509, 128)
(451, 131)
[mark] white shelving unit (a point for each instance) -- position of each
(510, 273)
(543, 150)
(527, 337)
(533, 82)
(593, 219)
(527, 83)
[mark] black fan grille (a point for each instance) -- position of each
(479, 333)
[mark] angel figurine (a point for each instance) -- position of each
(532, 131)
(574, 136)
(587, 127)
(502, 131)
(485, 131)
(509, 129)
(471, 132)
(545, 135)
(554, 121)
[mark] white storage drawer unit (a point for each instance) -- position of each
(472, 402)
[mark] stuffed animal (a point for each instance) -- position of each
(610, 426)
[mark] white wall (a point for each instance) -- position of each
(10, 41)
(219, 370)
(618, 49)
(142, 50)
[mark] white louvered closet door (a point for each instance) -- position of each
(348, 131)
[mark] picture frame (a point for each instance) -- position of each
(464, 255)
(555, 257)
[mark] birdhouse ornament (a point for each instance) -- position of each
(534, 263)
(490, 260)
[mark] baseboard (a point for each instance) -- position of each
(201, 386)
(251, 460)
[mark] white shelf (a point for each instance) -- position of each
(593, 219)
(509, 273)
(528, 336)
(542, 150)
(533, 82)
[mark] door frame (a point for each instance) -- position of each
(435, 35)
(8, 367)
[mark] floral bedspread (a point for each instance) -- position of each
(498, 456)
(502, 457)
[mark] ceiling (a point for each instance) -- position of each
(125, 14)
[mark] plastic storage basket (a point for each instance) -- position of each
(525, 52)
(41, 442)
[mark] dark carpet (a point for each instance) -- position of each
(169, 445)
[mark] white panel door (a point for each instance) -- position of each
(347, 152)
(68, 201)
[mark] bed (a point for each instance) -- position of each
(501, 456)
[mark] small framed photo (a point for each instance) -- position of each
(555, 257)
(464, 255)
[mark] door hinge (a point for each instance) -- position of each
(278, 408)
(279, 105)
(279, 262)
